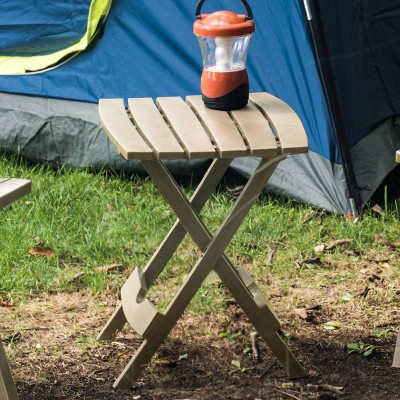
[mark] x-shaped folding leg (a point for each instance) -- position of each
(157, 325)
(169, 245)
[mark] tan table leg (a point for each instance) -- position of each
(240, 283)
(169, 245)
(7, 388)
(396, 357)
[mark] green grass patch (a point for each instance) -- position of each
(92, 220)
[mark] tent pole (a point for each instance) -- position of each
(337, 121)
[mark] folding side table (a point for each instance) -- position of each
(10, 190)
(396, 357)
(174, 129)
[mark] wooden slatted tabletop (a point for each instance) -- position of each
(12, 189)
(174, 129)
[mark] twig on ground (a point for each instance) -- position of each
(327, 387)
(254, 346)
(288, 394)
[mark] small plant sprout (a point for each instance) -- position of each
(332, 325)
(238, 367)
(383, 333)
(227, 334)
(361, 348)
(247, 350)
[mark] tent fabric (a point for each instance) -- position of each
(148, 50)
(373, 156)
(362, 48)
(47, 40)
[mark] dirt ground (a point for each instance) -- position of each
(53, 355)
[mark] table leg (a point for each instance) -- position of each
(396, 357)
(261, 314)
(7, 388)
(171, 242)
(213, 251)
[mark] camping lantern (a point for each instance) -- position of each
(224, 37)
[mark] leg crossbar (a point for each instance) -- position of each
(155, 326)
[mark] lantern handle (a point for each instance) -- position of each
(245, 3)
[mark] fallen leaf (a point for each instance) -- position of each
(307, 313)
(378, 209)
(303, 313)
(41, 251)
(319, 249)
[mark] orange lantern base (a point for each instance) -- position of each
(225, 90)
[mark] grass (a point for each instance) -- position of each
(91, 220)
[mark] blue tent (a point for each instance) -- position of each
(331, 61)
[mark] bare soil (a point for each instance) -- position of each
(53, 355)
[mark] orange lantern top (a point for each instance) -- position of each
(222, 24)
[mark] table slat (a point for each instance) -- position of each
(154, 128)
(187, 127)
(13, 189)
(227, 137)
(284, 120)
(120, 130)
(255, 128)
